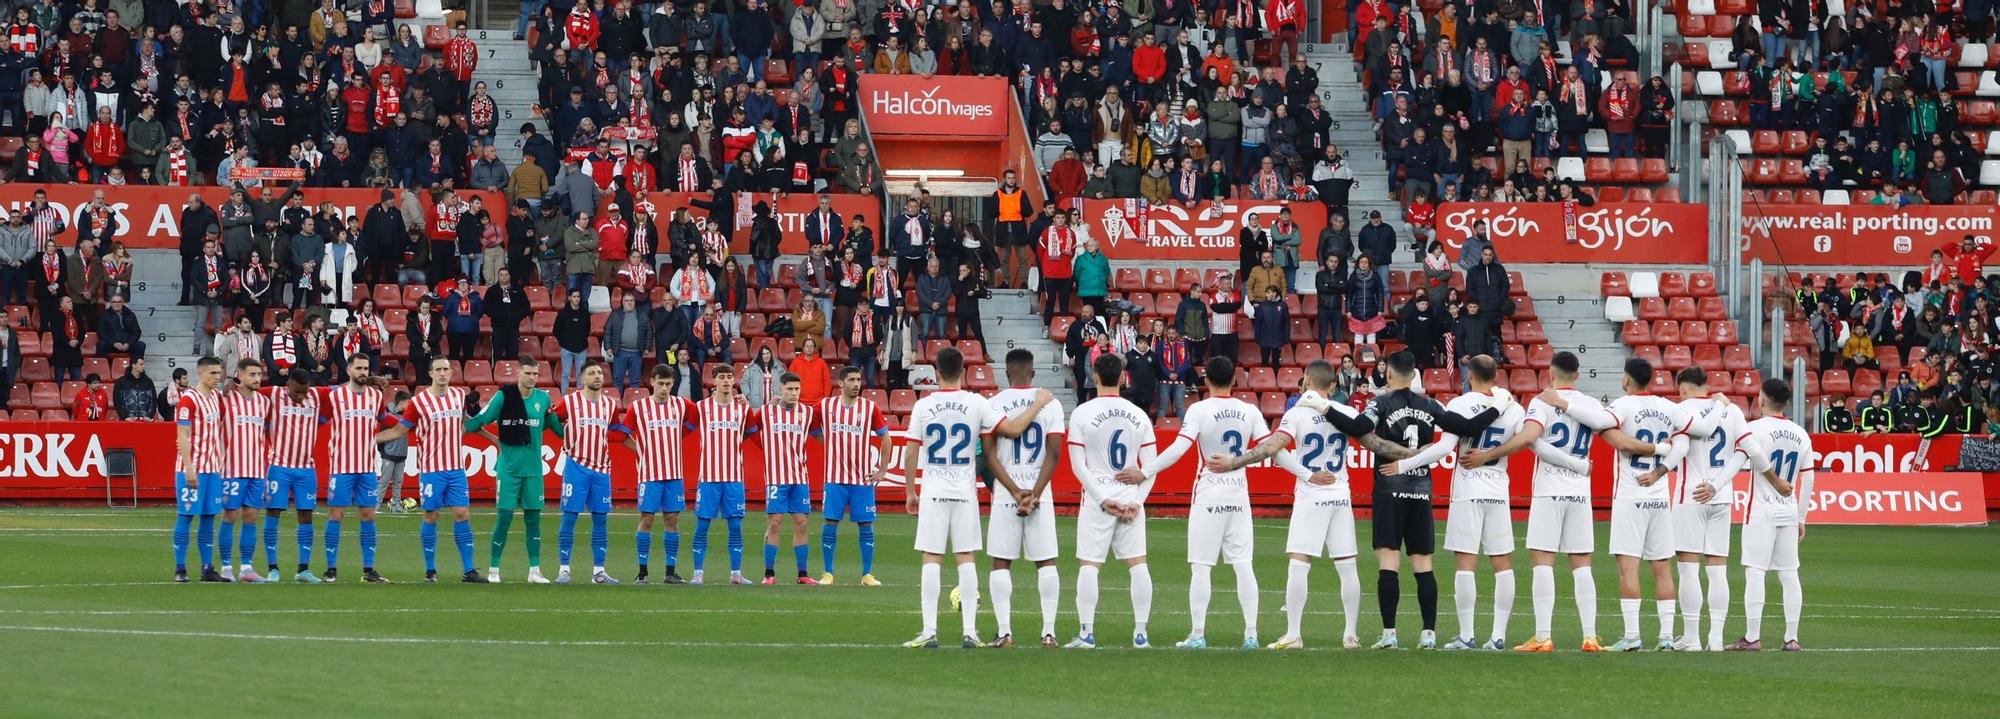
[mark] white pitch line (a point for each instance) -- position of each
(668, 611)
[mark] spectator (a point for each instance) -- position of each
(1266, 274)
(765, 237)
(1367, 294)
(170, 397)
(815, 278)
(208, 279)
(1174, 363)
(933, 300)
(692, 289)
(462, 309)
(1331, 284)
(134, 395)
(1378, 244)
(807, 322)
(118, 330)
(967, 290)
(580, 247)
(1223, 307)
(1191, 319)
(17, 253)
(710, 338)
(426, 334)
(1057, 244)
(66, 335)
(760, 378)
(899, 347)
(1437, 272)
(627, 335)
(237, 344)
(93, 401)
(1271, 321)
(1422, 325)
(10, 360)
(572, 333)
(1078, 346)
(910, 236)
(505, 308)
(815, 377)
(862, 341)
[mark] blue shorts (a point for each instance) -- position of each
(718, 499)
(203, 499)
(295, 487)
(242, 493)
(443, 489)
(662, 496)
(850, 501)
(584, 489)
(788, 499)
(352, 490)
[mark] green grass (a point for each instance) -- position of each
(90, 627)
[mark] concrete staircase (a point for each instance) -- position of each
(510, 79)
(1572, 314)
(156, 293)
(1010, 322)
(1341, 93)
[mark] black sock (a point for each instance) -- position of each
(670, 569)
(304, 567)
(1427, 599)
(1387, 592)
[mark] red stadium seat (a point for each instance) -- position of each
(1654, 171)
(1437, 378)
(1186, 277)
(1796, 143)
(1673, 284)
(1764, 142)
(1708, 357)
(1625, 169)
(1835, 381)
(1695, 332)
(1792, 172)
(1271, 404)
(1530, 332)
(1541, 356)
(902, 401)
(1676, 357)
(1652, 308)
(36, 369)
(1711, 308)
(1614, 284)
(1514, 356)
(1701, 284)
(477, 372)
(1127, 279)
(1724, 113)
(1682, 308)
(1639, 194)
(1666, 332)
(1524, 309)
(1864, 382)
(388, 297)
(1303, 354)
(1160, 280)
(1523, 382)
(1662, 384)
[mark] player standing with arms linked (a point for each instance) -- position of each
(1657, 432)
(198, 468)
(1023, 523)
(586, 429)
(658, 425)
(1403, 501)
(722, 420)
(853, 467)
(1108, 435)
(295, 420)
(245, 419)
(1702, 497)
(782, 428)
(1776, 521)
(1559, 519)
(521, 413)
(438, 413)
(354, 409)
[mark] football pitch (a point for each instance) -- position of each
(1898, 621)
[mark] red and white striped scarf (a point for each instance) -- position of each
(177, 168)
(283, 354)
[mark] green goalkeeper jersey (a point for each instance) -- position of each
(523, 460)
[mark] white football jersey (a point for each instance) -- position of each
(945, 430)
(1023, 455)
(1565, 432)
(1490, 481)
(1222, 426)
(1651, 419)
(1789, 450)
(1321, 447)
(1106, 435)
(1713, 458)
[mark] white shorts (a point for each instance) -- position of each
(1099, 533)
(1473, 526)
(940, 519)
(1701, 529)
(1642, 528)
(1561, 525)
(1010, 536)
(1219, 530)
(1771, 547)
(1322, 528)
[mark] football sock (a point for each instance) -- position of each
(429, 536)
(247, 541)
(1048, 581)
(1666, 608)
(226, 544)
(1296, 575)
(271, 539)
(1350, 595)
(461, 532)
(1629, 609)
(566, 538)
(332, 543)
(1387, 593)
(531, 524)
(1086, 599)
(932, 574)
(204, 539)
(799, 558)
(770, 559)
(1718, 602)
(735, 544)
(502, 521)
(1198, 592)
(1465, 598)
(1688, 585)
(829, 545)
(1542, 588)
(670, 548)
(700, 548)
(182, 523)
(1795, 601)
(1142, 597)
(1503, 602)
(1427, 599)
(305, 537)
(968, 598)
(367, 543)
(1753, 603)
(600, 538)
(1586, 599)
(867, 548)
(1000, 586)
(1246, 596)
(642, 540)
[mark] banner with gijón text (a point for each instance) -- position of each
(1665, 233)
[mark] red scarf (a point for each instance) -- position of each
(52, 266)
(282, 353)
(864, 331)
(214, 275)
(69, 326)
(1569, 221)
(465, 303)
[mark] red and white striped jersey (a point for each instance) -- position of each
(201, 413)
(437, 424)
(294, 428)
(782, 433)
(850, 433)
(355, 416)
(245, 417)
(660, 429)
(721, 426)
(587, 425)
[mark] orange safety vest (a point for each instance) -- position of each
(1010, 205)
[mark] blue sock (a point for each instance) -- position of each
(566, 538)
(248, 541)
(799, 557)
(867, 548)
(332, 544)
(736, 544)
(829, 542)
(227, 543)
(271, 540)
(305, 533)
(672, 547)
(367, 543)
(700, 548)
(461, 532)
(600, 537)
(643, 539)
(770, 557)
(429, 533)
(204, 540)
(182, 523)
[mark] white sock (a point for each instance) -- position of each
(933, 574)
(597, 569)
(1142, 597)
(1718, 602)
(1000, 583)
(1086, 599)
(1665, 608)
(1586, 599)
(1795, 601)
(1198, 592)
(968, 597)
(564, 569)
(1246, 596)
(1350, 595)
(1542, 587)
(1465, 596)
(1048, 581)
(1629, 609)
(1689, 585)
(1296, 574)
(1503, 602)
(1753, 603)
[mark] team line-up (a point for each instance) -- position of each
(1676, 467)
